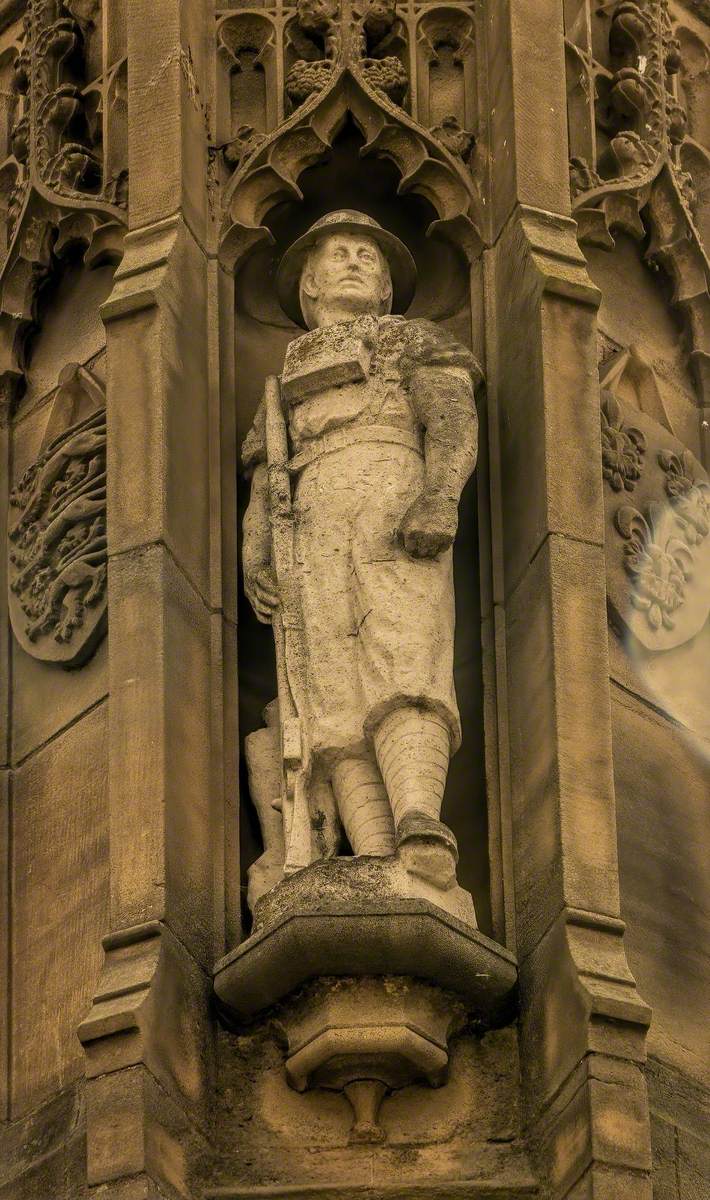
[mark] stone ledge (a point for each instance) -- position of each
(406, 938)
(445, 1189)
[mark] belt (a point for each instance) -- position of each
(340, 439)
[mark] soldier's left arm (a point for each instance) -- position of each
(442, 395)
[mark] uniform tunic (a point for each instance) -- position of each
(378, 624)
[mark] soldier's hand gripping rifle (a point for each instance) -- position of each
(288, 639)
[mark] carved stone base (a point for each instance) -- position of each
(367, 1037)
(344, 917)
(369, 986)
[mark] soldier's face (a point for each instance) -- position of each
(349, 272)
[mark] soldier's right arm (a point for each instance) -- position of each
(259, 579)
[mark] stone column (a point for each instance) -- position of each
(148, 1036)
(582, 1021)
(5, 773)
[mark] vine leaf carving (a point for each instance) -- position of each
(638, 185)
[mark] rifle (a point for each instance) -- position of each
(287, 627)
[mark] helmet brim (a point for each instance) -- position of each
(401, 265)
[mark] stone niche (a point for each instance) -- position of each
(369, 1007)
(262, 335)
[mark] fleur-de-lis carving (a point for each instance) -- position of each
(658, 566)
(689, 496)
(623, 448)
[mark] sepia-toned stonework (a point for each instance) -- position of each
(355, 583)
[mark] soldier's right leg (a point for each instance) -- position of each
(363, 805)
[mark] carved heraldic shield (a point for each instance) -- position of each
(57, 544)
(657, 501)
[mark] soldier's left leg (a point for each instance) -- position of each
(412, 747)
(405, 652)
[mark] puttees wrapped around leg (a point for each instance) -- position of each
(413, 749)
(363, 806)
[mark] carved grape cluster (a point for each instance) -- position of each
(305, 78)
(386, 75)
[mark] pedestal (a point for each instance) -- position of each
(365, 986)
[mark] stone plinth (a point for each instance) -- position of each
(344, 918)
(422, 870)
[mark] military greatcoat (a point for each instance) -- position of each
(378, 624)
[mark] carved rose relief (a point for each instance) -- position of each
(623, 448)
(57, 544)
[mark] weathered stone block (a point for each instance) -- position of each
(459, 1189)
(565, 837)
(546, 487)
(157, 401)
(138, 1187)
(577, 999)
(603, 1183)
(665, 1169)
(410, 937)
(150, 1007)
(48, 699)
(133, 1126)
(60, 849)
(677, 1098)
(169, 113)
(693, 1164)
(662, 775)
(42, 1135)
(159, 740)
(45, 1178)
(72, 331)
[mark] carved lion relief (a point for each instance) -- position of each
(57, 542)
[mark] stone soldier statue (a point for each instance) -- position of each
(382, 434)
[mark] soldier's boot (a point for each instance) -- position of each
(413, 748)
(364, 809)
